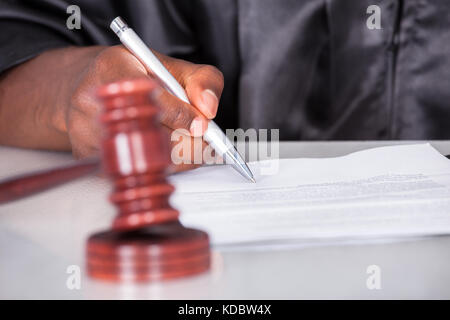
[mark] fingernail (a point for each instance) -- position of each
(210, 103)
(198, 126)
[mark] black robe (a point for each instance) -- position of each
(311, 68)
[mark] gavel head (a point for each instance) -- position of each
(135, 154)
(146, 241)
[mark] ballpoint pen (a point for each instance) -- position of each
(213, 135)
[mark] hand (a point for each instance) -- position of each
(203, 85)
(48, 102)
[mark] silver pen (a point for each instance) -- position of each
(213, 135)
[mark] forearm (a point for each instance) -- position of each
(33, 96)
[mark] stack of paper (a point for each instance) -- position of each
(377, 193)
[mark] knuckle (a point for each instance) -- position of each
(73, 127)
(220, 76)
(211, 71)
(82, 101)
(106, 58)
(181, 117)
(177, 117)
(77, 98)
(100, 64)
(83, 138)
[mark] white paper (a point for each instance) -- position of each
(378, 193)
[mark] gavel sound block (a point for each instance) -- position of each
(147, 241)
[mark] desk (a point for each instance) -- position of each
(42, 235)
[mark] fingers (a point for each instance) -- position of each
(84, 136)
(204, 88)
(176, 114)
(186, 152)
(203, 83)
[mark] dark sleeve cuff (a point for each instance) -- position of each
(24, 41)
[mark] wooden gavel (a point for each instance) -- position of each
(147, 241)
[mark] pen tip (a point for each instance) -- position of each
(239, 164)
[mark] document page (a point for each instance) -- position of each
(384, 192)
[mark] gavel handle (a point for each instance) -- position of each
(23, 186)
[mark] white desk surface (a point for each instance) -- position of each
(44, 234)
